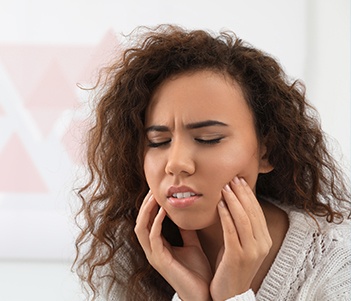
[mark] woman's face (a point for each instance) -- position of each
(200, 135)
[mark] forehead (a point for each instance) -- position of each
(198, 96)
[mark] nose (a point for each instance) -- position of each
(180, 159)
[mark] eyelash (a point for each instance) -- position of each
(201, 141)
(211, 141)
(158, 144)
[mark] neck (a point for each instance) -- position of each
(211, 239)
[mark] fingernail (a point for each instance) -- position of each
(242, 180)
(221, 204)
(227, 188)
(236, 180)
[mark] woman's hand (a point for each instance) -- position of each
(246, 241)
(185, 268)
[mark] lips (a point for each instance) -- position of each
(174, 191)
(182, 196)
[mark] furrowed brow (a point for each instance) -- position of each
(190, 126)
(157, 128)
(205, 123)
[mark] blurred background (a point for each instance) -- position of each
(49, 48)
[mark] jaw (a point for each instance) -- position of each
(192, 220)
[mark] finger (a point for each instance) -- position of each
(144, 223)
(240, 219)
(146, 199)
(260, 223)
(156, 239)
(148, 211)
(230, 234)
(251, 206)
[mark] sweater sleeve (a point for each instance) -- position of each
(247, 296)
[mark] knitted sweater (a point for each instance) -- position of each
(312, 264)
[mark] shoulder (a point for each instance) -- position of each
(325, 244)
(314, 236)
(319, 226)
(314, 259)
(301, 220)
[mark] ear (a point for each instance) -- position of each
(264, 165)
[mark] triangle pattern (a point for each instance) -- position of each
(53, 91)
(52, 96)
(25, 64)
(18, 173)
(74, 60)
(107, 51)
(45, 119)
(74, 140)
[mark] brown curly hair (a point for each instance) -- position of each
(109, 257)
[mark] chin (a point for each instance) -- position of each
(194, 223)
(189, 227)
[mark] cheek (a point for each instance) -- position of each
(149, 169)
(152, 170)
(225, 166)
(239, 163)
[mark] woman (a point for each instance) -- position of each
(210, 179)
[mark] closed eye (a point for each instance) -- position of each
(210, 141)
(201, 141)
(158, 144)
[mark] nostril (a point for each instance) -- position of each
(178, 167)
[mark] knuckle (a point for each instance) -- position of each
(269, 242)
(231, 231)
(252, 212)
(244, 220)
(264, 250)
(152, 237)
(136, 229)
(151, 260)
(251, 255)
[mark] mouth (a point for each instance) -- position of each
(181, 191)
(181, 197)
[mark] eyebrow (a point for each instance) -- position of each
(190, 126)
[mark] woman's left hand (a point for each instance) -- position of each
(246, 241)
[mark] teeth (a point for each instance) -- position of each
(182, 195)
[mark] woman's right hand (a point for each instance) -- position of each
(185, 268)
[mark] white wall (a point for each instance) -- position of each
(327, 69)
(43, 43)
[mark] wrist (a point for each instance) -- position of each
(193, 298)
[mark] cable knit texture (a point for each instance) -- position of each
(313, 263)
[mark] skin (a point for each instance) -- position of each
(225, 234)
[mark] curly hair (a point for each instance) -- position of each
(305, 175)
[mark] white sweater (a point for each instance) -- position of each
(311, 265)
